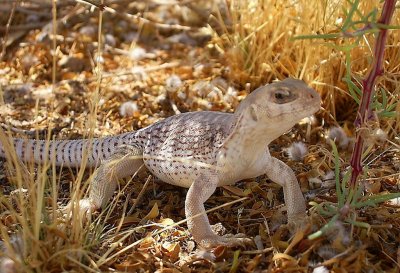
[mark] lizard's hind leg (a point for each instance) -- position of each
(124, 162)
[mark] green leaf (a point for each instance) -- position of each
(346, 48)
(317, 36)
(355, 91)
(383, 26)
(235, 262)
(388, 114)
(372, 15)
(384, 98)
(372, 201)
(320, 209)
(357, 195)
(345, 180)
(391, 107)
(349, 16)
(339, 192)
(359, 224)
(324, 229)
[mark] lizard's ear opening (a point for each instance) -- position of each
(253, 112)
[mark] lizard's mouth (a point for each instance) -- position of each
(313, 104)
(298, 114)
(306, 105)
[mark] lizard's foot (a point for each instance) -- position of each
(85, 209)
(228, 240)
(86, 206)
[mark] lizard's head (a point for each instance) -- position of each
(280, 104)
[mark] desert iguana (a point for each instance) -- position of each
(197, 150)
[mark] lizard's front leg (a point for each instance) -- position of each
(124, 162)
(283, 175)
(199, 226)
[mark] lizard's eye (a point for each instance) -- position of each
(282, 94)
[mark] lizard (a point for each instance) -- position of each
(197, 150)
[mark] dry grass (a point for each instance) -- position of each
(31, 217)
(256, 41)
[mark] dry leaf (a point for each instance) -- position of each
(153, 212)
(171, 250)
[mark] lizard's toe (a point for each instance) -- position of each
(228, 240)
(237, 240)
(239, 235)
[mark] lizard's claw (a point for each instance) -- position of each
(228, 240)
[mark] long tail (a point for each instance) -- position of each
(68, 153)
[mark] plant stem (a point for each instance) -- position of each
(364, 111)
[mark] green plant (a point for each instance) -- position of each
(349, 192)
(349, 200)
(351, 33)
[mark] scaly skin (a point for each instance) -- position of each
(198, 150)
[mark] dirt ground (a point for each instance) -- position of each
(156, 59)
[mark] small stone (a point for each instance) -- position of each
(88, 30)
(110, 40)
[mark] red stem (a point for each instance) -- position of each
(364, 111)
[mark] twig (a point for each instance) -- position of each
(256, 252)
(133, 18)
(121, 74)
(54, 45)
(23, 27)
(28, 11)
(3, 50)
(139, 197)
(44, 4)
(364, 110)
(158, 2)
(368, 27)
